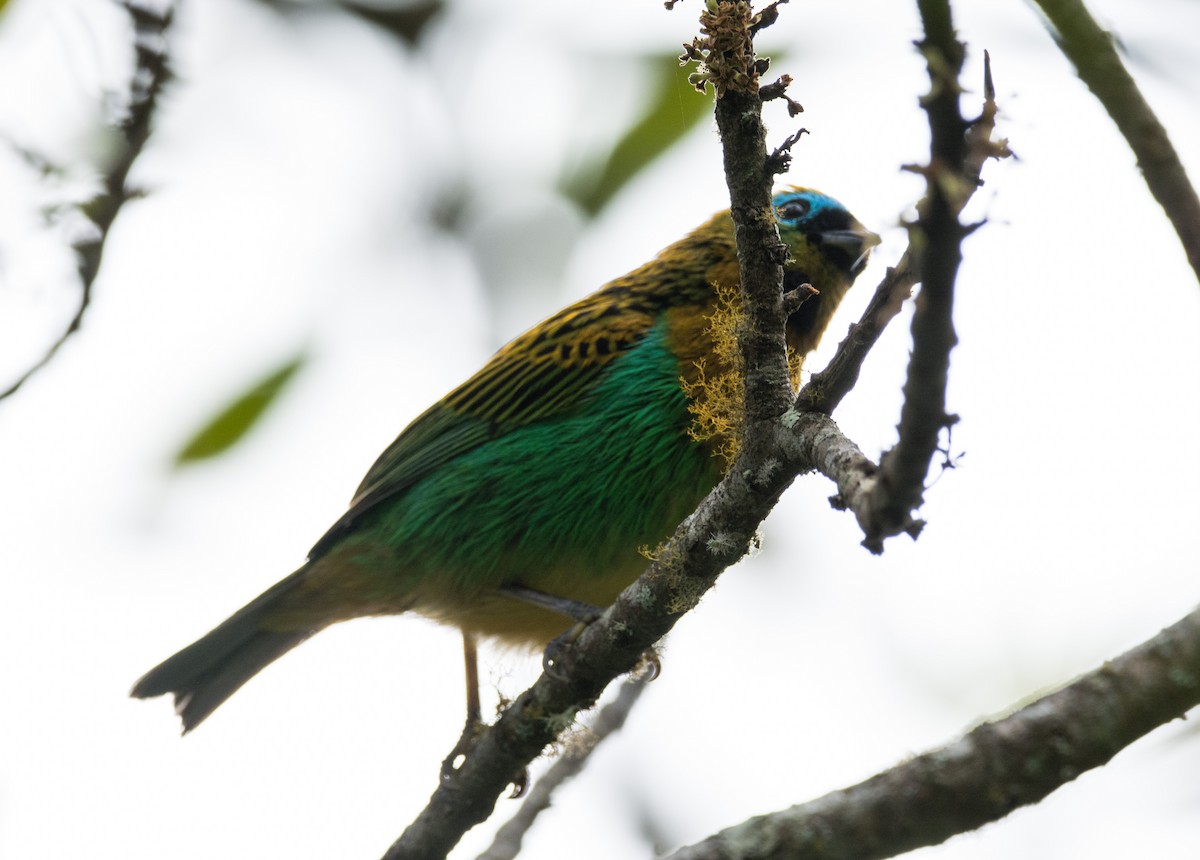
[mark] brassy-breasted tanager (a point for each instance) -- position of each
(527, 491)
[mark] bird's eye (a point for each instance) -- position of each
(794, 210)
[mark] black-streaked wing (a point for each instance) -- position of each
(542, 374)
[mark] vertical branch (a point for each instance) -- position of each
(727, 61)
(937, 237)
(1099, 66)
(861, 487)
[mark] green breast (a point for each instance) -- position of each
(568, 497)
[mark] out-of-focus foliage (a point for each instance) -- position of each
(674, 109)
(237, 419)
(404, 20)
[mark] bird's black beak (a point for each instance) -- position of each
(855, 241)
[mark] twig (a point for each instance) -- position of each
(938, 237)
(1098, 64)
(826, 389)
(859, 480)
(810, 440)
(151, 74)
(507, 842)
(994, 769)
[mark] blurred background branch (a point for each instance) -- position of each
(1094, 54)
(151, 73)
(506, 844)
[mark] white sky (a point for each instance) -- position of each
(287, 181)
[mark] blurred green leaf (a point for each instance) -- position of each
(239, 417)
(674, 109)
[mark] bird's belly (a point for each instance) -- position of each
(579, 531)
(562, 506)
(516, 622)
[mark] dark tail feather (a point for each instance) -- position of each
(210, 670)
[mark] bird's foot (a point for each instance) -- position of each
(583, 613)
(471, 733)
(552, 657)
(519, 783)
(648, 668)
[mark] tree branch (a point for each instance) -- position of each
(826, 388)
(151, 74)
(716, 535)
(1094, 54)
(728, 62)
(994, 769)
(937, 236)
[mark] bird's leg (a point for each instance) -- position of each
(474, 725)
(474, 714)
(583, 613)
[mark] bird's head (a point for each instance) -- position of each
(829, 248)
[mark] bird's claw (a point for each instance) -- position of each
(519, 783)
(452, 762)
(471, 733)
(649, 667)
(552, 657)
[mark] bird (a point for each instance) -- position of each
(525, 498)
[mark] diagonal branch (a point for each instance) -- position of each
(728, 62)
(716, 535)
(989, 772)
(683, 570)
(1098, 64)
(826, 388)
(151, 74)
